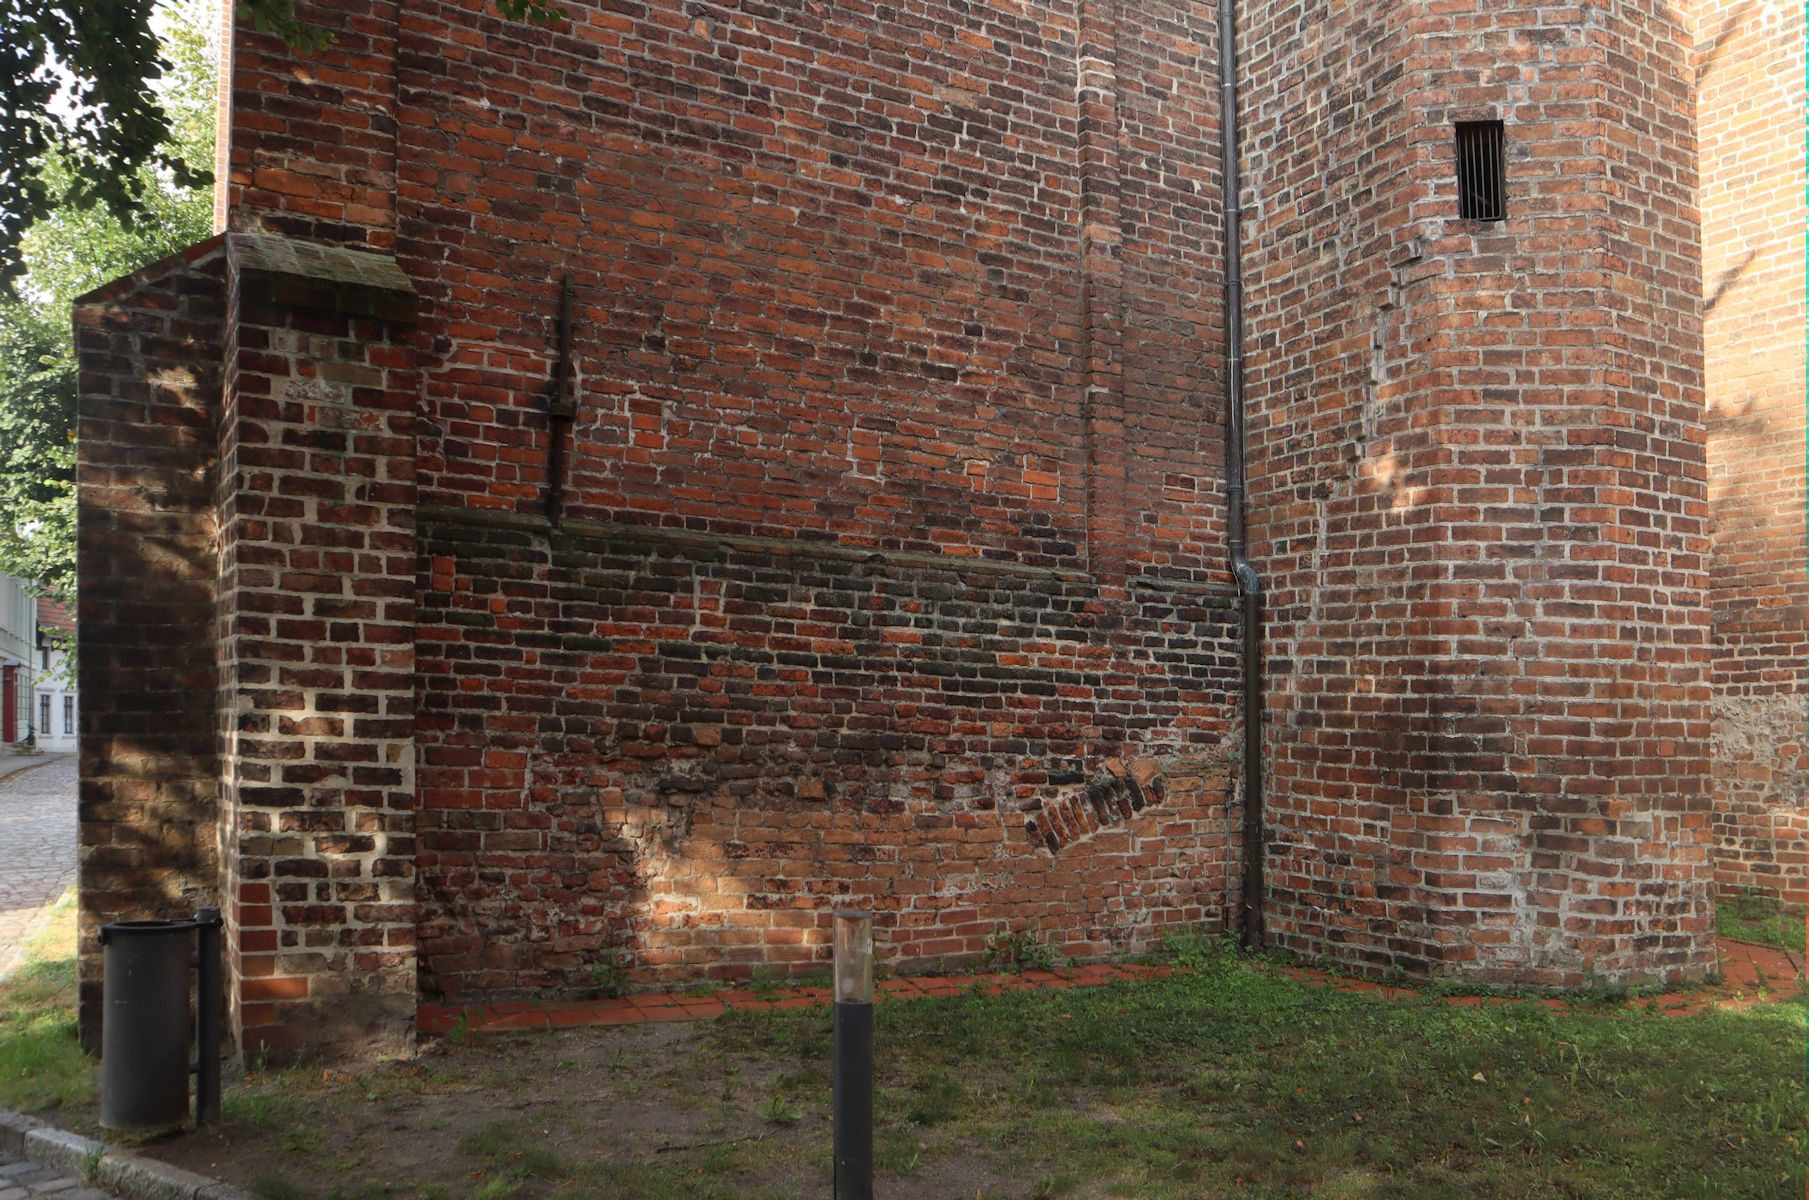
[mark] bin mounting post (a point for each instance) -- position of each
(208, 983)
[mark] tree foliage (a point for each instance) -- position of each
(80, 86)
(82, 82)
(37, 451)
(106, 146)
(70, 249)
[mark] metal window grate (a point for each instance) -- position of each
(1481, 194)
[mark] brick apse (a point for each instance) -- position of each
(852, 526)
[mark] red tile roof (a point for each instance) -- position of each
(52, 615)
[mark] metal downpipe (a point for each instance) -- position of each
(1249, 587)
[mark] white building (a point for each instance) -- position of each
(18, 660)
(56, 712)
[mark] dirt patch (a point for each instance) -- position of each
(643, 1111)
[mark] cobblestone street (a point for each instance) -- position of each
(37, 846)
(22, 1179)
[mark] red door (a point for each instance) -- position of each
(9, 719)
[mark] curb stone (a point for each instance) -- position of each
(129, 1175)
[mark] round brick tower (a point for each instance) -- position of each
(1478, 488)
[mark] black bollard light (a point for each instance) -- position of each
(853, 1068)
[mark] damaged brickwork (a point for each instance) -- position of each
(683, 749)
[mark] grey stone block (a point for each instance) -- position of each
(59, 1148)
(224, 1191)
(13, 1128)
(146, 1179)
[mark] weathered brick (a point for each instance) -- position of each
(1750, 62)
(887, 560)
(145, 542)
(1479, 491)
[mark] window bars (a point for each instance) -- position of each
(1481, 171)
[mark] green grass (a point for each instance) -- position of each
(1756, 917)
(1230, 1080)
(1236, 1081)
(275, 1187)
(1019, 951)
(512, 1146)
(41, 1064)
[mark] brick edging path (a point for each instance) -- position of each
(1748, 969)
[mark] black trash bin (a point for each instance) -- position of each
(145, 1027)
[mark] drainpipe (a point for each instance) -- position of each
(1249, 587)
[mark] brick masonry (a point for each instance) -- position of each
(1750, 75)
(151, 348)
(1478, 487)
(682, 750)
(887, 560)
(316, 646)
(891, 298)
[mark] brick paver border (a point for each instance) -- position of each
(1748, 972)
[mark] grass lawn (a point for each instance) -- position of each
(1756, 917)
(1229, 1080)
(41, 1067)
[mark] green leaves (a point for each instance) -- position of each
(85, 83)
(278, 17)
(540, 12)
(71, 246)
(37, 450)
(78, 85)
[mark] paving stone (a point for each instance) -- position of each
(23, 1179)
(37, 846)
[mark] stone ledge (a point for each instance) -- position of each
(126, 1174)
(303, 274)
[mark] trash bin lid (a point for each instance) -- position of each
(140, 928)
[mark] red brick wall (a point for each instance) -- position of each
(842, 261)
(149, 350)
(1478, 490)
(316, 648)
(310, 142)
(684, 749)
(1750, 75)
(924, 302)
(890, 564)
